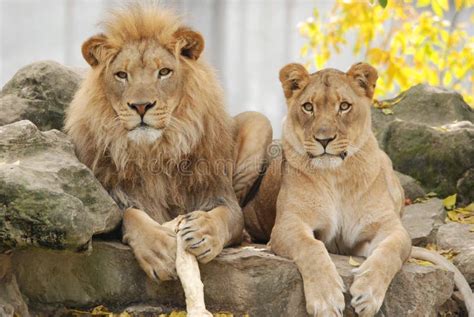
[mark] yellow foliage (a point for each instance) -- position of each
(409, 42)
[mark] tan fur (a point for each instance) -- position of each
(347, 201)
(182, 160)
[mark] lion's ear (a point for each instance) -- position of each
(365, 76)
(293, 77)
(189, 43)
(94, 49)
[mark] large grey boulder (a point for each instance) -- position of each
(433, 106)
(437, 158)
(460, 238)
(39, 92)
(47, 197)
(242, 280)
(422, 220)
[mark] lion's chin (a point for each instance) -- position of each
(144, 135)
(326, 162)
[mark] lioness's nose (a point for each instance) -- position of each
(325, 142)
(141, 107)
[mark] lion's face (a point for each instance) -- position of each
(143, 79)
(329, 112)
(142, 86)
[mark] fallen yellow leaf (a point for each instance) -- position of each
(353, 262)
(420, 262)
(449, 202)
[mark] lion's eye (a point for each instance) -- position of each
(164, 72)
(307, 107)
(344, 106)
(121, 75)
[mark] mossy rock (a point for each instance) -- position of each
(424, 104)
(39, 92)
(47, 197)
(436, 158)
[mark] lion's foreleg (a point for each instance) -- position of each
(253, 135)
(387, 252)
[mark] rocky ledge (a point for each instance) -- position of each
(242, 280)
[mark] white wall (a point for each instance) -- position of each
(247, 41)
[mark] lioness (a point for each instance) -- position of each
(339, 192)
(149, 120)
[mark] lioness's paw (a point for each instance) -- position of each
(368, 291)
(201, 235)
(327, 297)
(155, 251)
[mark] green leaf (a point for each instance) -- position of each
(387, 111)
(383, 3)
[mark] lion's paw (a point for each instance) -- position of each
(327, 299)
(155, 250)
(368, 292)
(202, 235)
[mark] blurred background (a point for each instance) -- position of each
(248, 41)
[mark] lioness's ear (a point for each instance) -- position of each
(366, 77)
(190, 43)
(94, 49)
(293, 77)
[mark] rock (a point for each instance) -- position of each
(242, 280)
(47, 197)
(437, 158)
(411, 187)
(39, 92)
(457, 236)
(433, 106)
(465, 188)
(422, 220)
(11, 300)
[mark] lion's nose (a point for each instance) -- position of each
(325, 142)
(141, 107)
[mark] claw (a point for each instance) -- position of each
(196, 245)
(203, 254)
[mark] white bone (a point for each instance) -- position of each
(188, 272)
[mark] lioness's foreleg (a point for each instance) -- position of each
(386, 253)
(154, 245)
(323, 287)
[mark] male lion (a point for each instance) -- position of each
(150, 122)
(339, 192)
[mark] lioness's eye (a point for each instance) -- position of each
(307, 107)
(344, 106)
(164, 72)
(121, 75)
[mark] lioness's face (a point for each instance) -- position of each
(142, 86)
(329, 112)
(142, 79)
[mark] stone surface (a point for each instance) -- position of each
(11, 300)
(465, 187)
(437, 158)
(47, 197)
(457, 236)
(411, 186)
(39, 92)
(242, 280)
(433, 106)
(423, 219)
